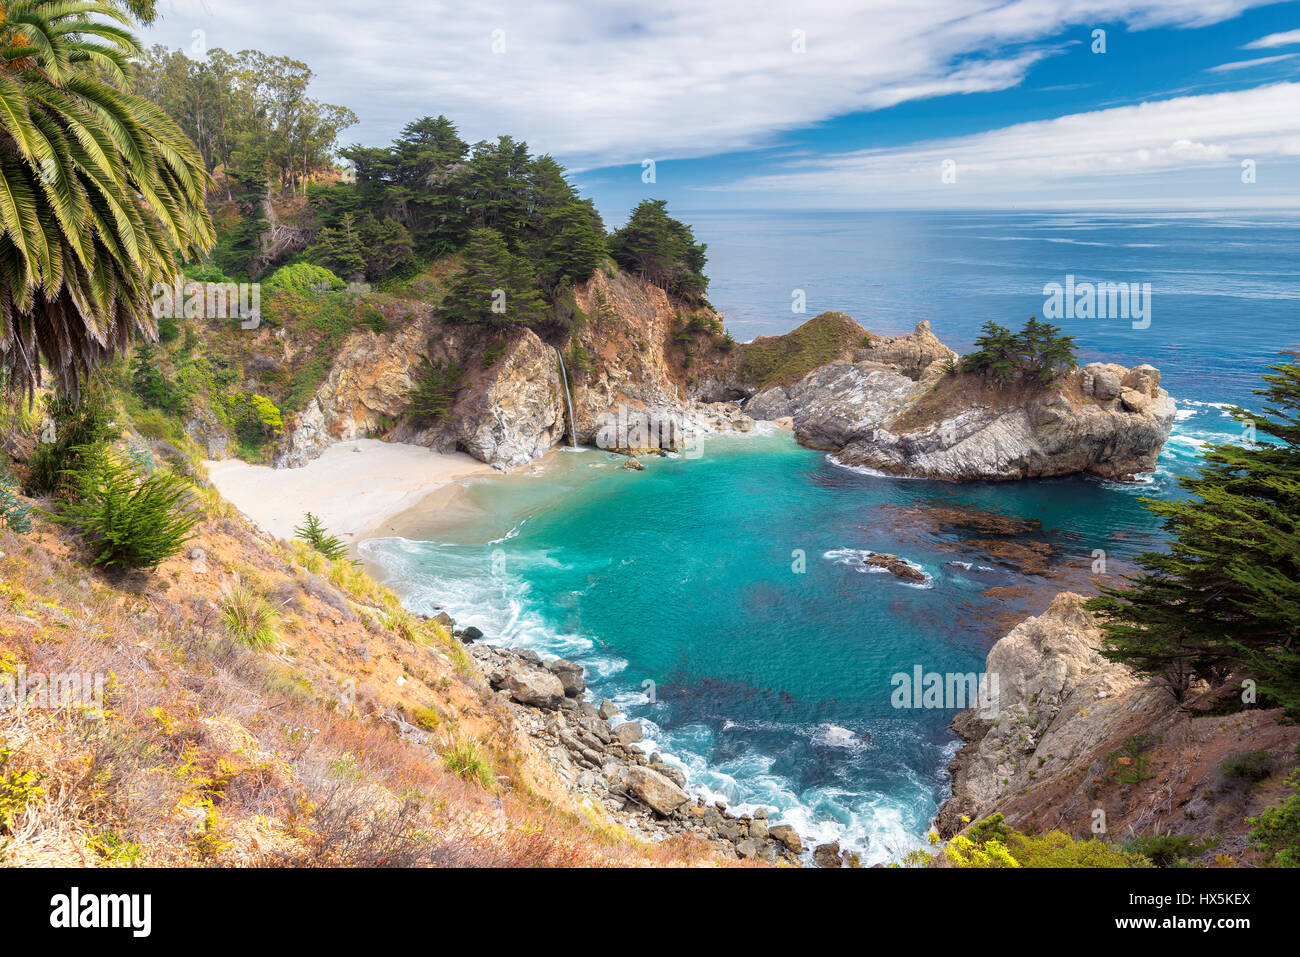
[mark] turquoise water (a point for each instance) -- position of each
(768, 680)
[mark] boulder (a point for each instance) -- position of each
(1135, 401)
(570, 676)
(787, 836)
(1144, 378)
(629, 732)
(608, 709)
(1103, 380)
(827, 855)
(532, 686)
(656, 791)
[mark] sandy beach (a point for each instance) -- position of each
(354, 486)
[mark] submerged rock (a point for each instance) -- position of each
(896, 566)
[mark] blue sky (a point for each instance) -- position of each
(822, 104)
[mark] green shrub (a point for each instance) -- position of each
(466, 760)
(1250, 767)
(1130, 762)
(152, 386)
(69, 426)
(250, 618)
(1056, 849)
(130, 519)
(302, 278)
(314, 534)
(15, 514)
(168, 330)
(1168, 850)
(1276, 831)
(991, 843)
(204, 272)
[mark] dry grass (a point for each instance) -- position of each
(318, 752)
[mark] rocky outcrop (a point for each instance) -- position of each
(509, 411)
(517, 415)
(370, 380)
(910, 355)
(1053, 696)
(626, 378)
(896, 566)
(893, 409)
(609, 763)
(646, 375)
(631, 393)
(1079, 744)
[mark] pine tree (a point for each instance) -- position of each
(996, 355)
(663, 250)
(1225, 598)
(314, 534)
(496, 288)
(437, 385)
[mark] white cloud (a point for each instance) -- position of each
(1195, 143)
(1247, 64)
(621, 80)
(1274, 40)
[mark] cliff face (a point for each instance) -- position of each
(646, 374)
(638, 391)
(892, 408)
(629, 388)
(1074, 734)
(509, 412)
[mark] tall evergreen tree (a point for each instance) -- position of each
(496, 288)
(1226, 596)
(663, 250)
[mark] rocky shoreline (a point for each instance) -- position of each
(595, 751)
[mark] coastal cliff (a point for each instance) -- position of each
(894, 408)
(645, 373)
(1079, 744)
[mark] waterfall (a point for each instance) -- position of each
(573, 440)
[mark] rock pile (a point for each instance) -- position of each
(596, 754)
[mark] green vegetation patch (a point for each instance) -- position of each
(784, 360)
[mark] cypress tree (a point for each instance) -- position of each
(1225, 598)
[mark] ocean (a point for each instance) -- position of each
(721, 600)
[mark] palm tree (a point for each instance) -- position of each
(100, 192)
